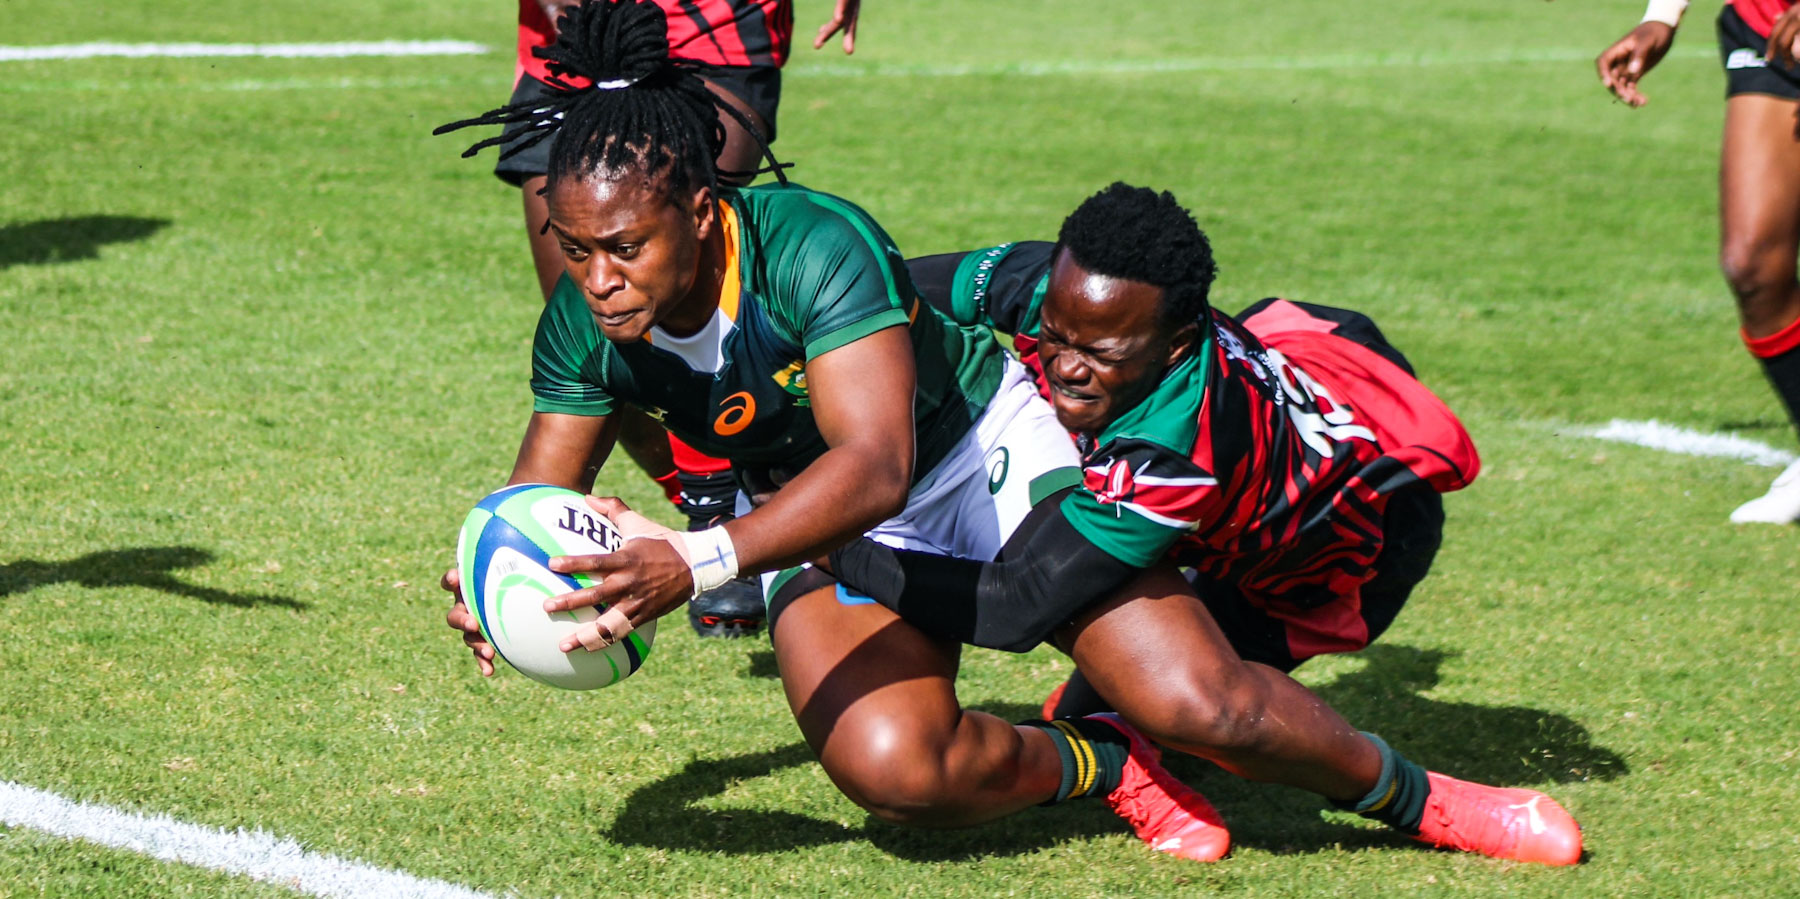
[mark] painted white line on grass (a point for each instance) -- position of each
(190, 50)
(1669, 438)
(253, 854)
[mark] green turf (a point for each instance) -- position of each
(266, 341)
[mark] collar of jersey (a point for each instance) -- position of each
(732, 287)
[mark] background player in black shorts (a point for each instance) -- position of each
(1759, 187)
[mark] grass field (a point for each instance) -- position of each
(266, 340)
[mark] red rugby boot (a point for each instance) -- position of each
(1523, 825)
(1164, 812)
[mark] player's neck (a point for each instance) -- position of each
(696, 309)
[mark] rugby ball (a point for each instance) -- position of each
(503, 556)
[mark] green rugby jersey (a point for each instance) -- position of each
(810, 273)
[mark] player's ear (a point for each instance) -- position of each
(704, 210)
(1181, 343)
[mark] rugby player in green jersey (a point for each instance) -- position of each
(776, 327)
(1287, 457)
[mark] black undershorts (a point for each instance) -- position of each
(1747, 71)
(758, 86)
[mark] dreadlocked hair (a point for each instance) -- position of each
(1140, 235)
(640, 111)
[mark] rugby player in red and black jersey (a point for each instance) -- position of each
(1289, 458)
(1759, 187)
(739, 47)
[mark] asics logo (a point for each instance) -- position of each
(1532, 818)
(735, 418)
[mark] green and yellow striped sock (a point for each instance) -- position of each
(1093, 756)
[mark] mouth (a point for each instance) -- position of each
(1069, 393)
(615, 319)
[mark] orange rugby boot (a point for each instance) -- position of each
(1523, 825)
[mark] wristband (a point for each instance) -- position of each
(1667, 12)
(710, 556)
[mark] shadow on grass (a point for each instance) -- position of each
(1755, 424)
(762, 664)
(1497, 745)
(146, 566)
(666, 815)
(1503, 746)
(70, 239)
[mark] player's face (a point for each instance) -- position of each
(1101, 344)
(632, 249)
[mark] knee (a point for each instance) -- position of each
(1757, 272)
(1203, 716)
(897, 779)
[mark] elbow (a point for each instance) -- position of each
(886, 491)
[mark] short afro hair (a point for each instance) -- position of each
(1141, 235)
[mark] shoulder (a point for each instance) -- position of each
(782, 215)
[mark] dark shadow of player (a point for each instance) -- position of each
(667, 814)
(146, 566)
(1497, 745)
(70, 239)
(1503, 746)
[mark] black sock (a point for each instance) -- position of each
(1779, 354)
(1093, 756)
(1784, 374)
(1398, 798)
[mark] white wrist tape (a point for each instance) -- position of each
(710, 557)
(1667, 12)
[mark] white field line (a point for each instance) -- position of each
(1669, 438)
(253, 853)
(194, 50)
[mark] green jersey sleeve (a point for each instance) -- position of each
(568, 357)
(1002, 287)
(832, 275)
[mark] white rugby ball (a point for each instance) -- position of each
(503, 556)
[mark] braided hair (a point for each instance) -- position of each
(641, 110)
(1141, 235)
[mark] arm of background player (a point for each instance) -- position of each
(843, 18)
(1047, 574)
(1632, 57)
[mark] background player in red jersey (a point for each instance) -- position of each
(1759, 187)
(1290, 459)
(741, 46)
